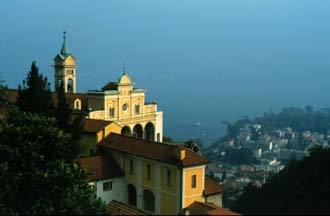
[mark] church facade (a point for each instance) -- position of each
(120, 102)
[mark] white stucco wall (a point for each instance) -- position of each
(159, 126)
(114, 193)
(215, 199)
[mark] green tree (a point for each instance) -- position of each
(3, 94)
(63, 111)
(68, 122)
(35, 95)
(302, 187)
(37, 173)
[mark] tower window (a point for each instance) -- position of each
(137, 109)
(69, 72)
(77, 104)
(70, 86)
(149, 172)
(193, 181)
(112, 112)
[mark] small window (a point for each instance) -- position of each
(169, 177)
(130, 166)
(107, 186)
(77, 104)
(112, 112)
(193, 181)
(149, 171)
(137, 109)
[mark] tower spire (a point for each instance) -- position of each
(64, 50)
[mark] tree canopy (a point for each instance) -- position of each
(303, 187)
(35, 95)
(37, 171)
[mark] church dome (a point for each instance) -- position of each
(125, 79)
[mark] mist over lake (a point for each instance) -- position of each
(203, 61)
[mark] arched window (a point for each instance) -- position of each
(138, 131)
(77, 104)
(149, 201)
(111, 112)
(126, 131)
(70, 86)
(150, 131)
(131, 195)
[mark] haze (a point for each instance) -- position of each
(203, 61)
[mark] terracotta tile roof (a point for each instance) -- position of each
(165, 153)
(100, 167)
(71, 97)
(211, 187)
(94, 125)
(119, 208)
(201, 208)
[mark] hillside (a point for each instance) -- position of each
(302, 187)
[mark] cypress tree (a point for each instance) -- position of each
(34, 95)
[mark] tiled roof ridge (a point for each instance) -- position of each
(131, 206)
(144, 140)
(211, 180)
(208, 205)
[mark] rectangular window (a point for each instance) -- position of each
(149, 171)
(137, 109)
(107, 186)
(112, 112)
(169, 177)
(193, 181)
(130, 166)
(158, 137)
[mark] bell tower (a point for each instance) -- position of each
(65, 69)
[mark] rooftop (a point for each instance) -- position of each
(162, 152)
(100, 167)
(211, 187)
(94, 125)
(201, 208)
(119, 208)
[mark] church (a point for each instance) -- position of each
(120, 102)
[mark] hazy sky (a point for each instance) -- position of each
(204, 61)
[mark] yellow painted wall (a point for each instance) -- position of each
(193, 194)
(112, 128)
(145, 181)
(173, 187)
(168, 204)
(131, 177)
